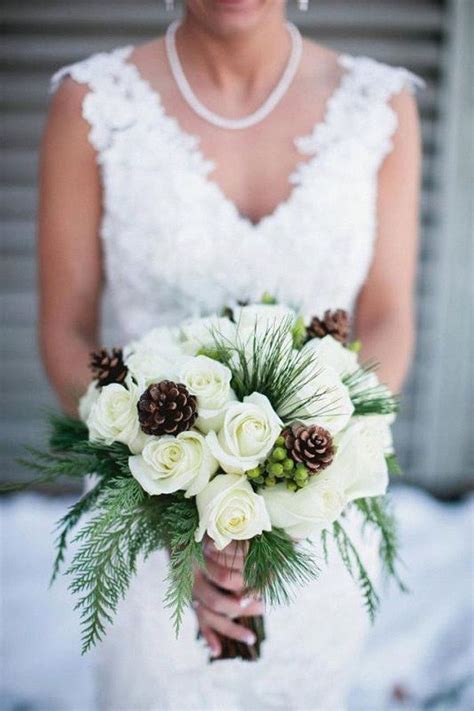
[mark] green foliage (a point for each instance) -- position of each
(128, 524)
(71, 455)
(299, 333)
(70, 520)
(268, 299)
(393, 465)
(180, 520)
(266, 362)
(377, 513)
(66, 432)
(369, 399)
(214, 353)
(356, 568)
(275, 564)
(354, 346)
(105, 561)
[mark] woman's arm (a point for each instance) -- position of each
(70, 261)
(385, 313)
(70, 290)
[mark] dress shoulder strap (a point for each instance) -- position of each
(369, 88)
(377, 79)
(105, 105)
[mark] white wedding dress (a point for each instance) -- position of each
(175, 246)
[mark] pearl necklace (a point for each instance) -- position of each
(269, 104)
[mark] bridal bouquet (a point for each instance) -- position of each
(256, 426)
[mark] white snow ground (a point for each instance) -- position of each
(419, 656)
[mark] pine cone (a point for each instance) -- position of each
(108, 367)
(334, 323)
(166, 408)
(311, 446)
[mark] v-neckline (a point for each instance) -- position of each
(343, 60)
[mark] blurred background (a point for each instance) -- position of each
(430, 666)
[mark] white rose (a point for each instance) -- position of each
(168, 464)
(370, 382)
(148, 367)
(230, 510)
(114, 417)
(87, 400)
(308, 510)
(209, 381)
(358, 470)
(380, 425)
(163, 341)
(198, 333)
(262, 317)
(332, 353)
(331, 409)
(247, 435)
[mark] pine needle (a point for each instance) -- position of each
(275, 565)
(351, 560)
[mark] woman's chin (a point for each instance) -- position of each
(227, 16)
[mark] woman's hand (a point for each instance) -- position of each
(215, 608)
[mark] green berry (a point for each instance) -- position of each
(254, 473)
(279, 454)
(276, 469)
(301, 475)
(268, 298)
(288, 465)
(291, 485)
(259, 480)
(280, 441)
(270, 481)
(355, 346)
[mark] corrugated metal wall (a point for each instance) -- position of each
(44, 35)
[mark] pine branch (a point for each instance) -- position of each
(266, 362)
(324, 543)
(180, 519)
(275, 564)
(351, 559)
(372, 399)
(103, 565)
(66, 431)
(68, 522)
(376, 512)
(393, 466)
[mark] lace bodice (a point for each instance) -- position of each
(175, 245)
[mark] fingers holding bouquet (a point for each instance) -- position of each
(220, 598)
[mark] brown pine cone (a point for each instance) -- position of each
(166, 408)
(312, 446)
(334, 323)
(108, 367)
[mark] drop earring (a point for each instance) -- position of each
(302, 5)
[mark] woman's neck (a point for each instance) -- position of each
(239, 65)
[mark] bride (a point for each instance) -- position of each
(228, 158)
